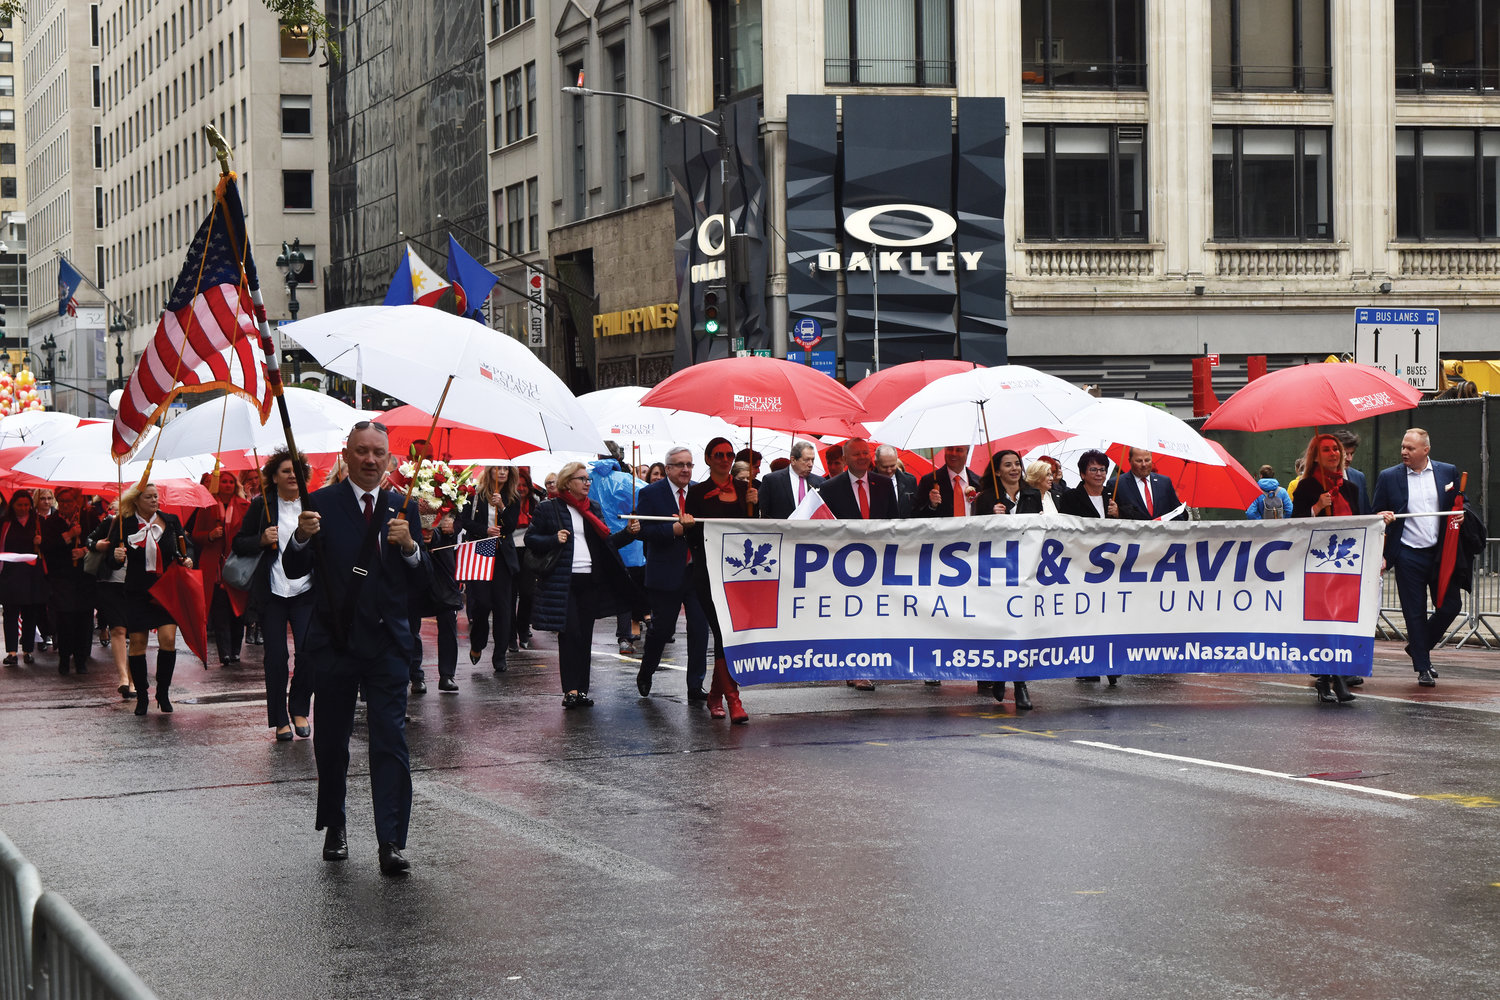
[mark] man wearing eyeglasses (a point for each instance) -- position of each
(669, 584)
(781, 491)
(366, 565)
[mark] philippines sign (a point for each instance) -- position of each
(1015, 599)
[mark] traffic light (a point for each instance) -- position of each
(711, 312)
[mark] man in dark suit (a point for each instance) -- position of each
(1147, 494)
(1413, 545)
(783, 490)
(360, 636)
(857, 493)
(934, 493)
(669, 585)
(888, 464)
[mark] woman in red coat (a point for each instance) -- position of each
(213, 529)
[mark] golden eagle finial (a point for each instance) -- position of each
(221, 147)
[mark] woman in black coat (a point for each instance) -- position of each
(109, 597)
(1014, 495)
(588, 581)
(70, 589)
(493, 512)
(153, 540)
(22, 585)
(278, 600)
(1324, 492)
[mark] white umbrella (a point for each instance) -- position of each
(35, 427)
(981, 405)
(1136, 425)
(83, 456)
(233, 424)
(451, 366)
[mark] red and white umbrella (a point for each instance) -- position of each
(763, 392)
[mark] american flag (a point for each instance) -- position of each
(476, 560)
(207, 337)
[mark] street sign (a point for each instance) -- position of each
(536, 311)
(806, 332)
(1402, 341)
(759, 352)
(823, 361)
(1213, 361)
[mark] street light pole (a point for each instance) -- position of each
(291, 262)
(720, 128)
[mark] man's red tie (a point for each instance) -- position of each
(1146, 492)
(864, 500)
(960, 505)
(369, 507)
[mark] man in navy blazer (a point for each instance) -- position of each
(1147, 493)
(784, 489)
(669, 585)
(842, 493)
(933, 495)
(360, 636)
(1413, 545)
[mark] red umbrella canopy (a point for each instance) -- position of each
(764, 392)
(407, 424)
(1313, 396)
(890, 387)
(1199, 484)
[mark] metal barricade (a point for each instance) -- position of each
(70, 961)
(19, 888)
(1478, 619)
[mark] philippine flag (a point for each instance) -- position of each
(414, 283)
(1332, 574)
(752, 579)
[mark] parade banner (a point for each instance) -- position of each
(1025, 598)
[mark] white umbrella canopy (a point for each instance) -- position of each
(1136, 425)
(980, 405)
(232, 423)
(83, 455)
(417, 353)
(35, 427)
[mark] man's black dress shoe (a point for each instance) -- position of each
(335, 844)
(418, 687)
(447, 684)
(643, 681)
(1427, 679)
(582, 700)
(392, 861)
(697, 696)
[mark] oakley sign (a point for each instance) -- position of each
(859, 228)
(711, 244)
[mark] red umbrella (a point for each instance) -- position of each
(888, 388)
(1449, 554)
(1313, 396)
(180, 591)
(10, 479)
(769, 392)
(407, 424)
(1199, 484)
(1024, 443)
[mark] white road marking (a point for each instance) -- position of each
(1249, 770)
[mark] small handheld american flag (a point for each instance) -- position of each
(475, 560)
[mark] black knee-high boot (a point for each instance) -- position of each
(138, 677)
(166, 662)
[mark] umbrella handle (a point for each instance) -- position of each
(985, 422)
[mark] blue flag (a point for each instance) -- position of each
(399, 294)
(473, 277)
(68, 280)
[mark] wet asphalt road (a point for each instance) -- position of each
(915, 842)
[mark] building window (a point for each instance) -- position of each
(499, 200)
(533, 214)
(1075, 43)
(8, 187)
(1446, 184)
(7, 52)
(515, 218)
(497, 113)
(296, 42)
(1272, 184)
(1271, 45)
(8, 151)
(495, 22)
(518, 12)
(7, 120)
(1085, 182)
(661, 40)
(619, 124)
(297, 190)
(1435, 45)
(7, 86)
(580, 165)
(98, 148)
(98, 208)
(746, 59)
(898, 42)
(515, 123)
(296, 114)
(531, 98)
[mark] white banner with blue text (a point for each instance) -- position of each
(1009, 598)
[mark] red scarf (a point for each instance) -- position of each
(581, 504)
(727, 492)
(1340, 507)
(524, 517)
